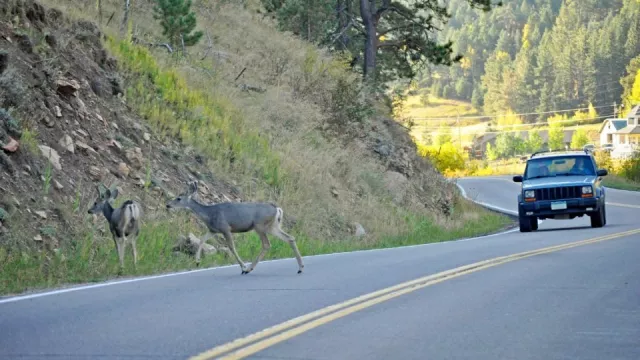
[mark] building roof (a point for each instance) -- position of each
(618, 124)
(635, 129)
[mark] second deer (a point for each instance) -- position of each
(124, 221)
(227, 218)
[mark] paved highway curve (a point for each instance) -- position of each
(564, 302)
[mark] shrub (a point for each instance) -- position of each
(630, 169)
(445, 157)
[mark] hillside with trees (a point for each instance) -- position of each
(536, 56)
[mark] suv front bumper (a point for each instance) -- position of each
(574, 206)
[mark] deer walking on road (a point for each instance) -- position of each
(227, 218)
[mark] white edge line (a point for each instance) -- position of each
(215, 268)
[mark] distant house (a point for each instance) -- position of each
(623, 134)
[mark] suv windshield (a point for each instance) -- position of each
(559, 166)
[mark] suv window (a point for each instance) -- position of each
(559, 166)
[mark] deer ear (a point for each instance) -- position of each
(193, 187)
(114, 193)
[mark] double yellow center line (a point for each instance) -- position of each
(261, 340)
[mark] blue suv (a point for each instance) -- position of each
(561, 185)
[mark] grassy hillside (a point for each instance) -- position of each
(309, 139)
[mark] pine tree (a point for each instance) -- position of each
(177, 21)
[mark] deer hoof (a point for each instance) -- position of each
(300, 271)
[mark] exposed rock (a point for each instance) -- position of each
(58, 111)
(84, 147)
(334, 192)
(146, 136)
(67, 143)
(37, 237)
(81, 108)
(396, 184)
(42, 214)
(6, 163)
(48, 121)
(359, 230)
(383, 149)
(51, 155)
(57, 185)
(115, 144)
(68, 87)
(123, 170)
(11, 146)
(401, 162)
(99, 117)
(189, 245)
(135, 157)
(51, 40)
(97, 174)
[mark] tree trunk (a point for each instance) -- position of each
(125, 19)
(371, 42)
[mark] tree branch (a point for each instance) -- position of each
(397, 43)
(401, 27)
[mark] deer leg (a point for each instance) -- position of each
(232, 248)
(278, 232)
(265, 247)
(200, 246)
(135, 252)
(121, 247)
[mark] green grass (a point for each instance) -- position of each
(91, 258)
(619, 182)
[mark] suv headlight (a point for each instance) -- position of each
(587, 190)
(529, 194)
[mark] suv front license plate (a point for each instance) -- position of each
(559, 205)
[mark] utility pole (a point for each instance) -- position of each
(615, 110)
(458, 124)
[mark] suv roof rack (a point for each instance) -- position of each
(585, 151)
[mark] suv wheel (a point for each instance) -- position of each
(598, 219)
(534, 223)
(526, 225)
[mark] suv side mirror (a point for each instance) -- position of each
(602, 172)
(517, 178)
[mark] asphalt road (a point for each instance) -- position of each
(581, 302)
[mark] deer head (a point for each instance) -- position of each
(183, 200)
(104, 197)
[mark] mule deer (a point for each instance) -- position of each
(227, 218)
(123, 221)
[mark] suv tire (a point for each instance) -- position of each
(534, 223)
(599, 218)
(526, 225)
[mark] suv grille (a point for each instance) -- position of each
(559, 193)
